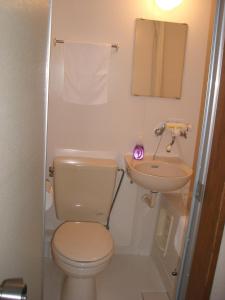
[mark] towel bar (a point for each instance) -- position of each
(56, 41)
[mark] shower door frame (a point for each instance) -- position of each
(204, 155)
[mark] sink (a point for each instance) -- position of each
(162, 174)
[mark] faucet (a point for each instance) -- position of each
(159, 130)
(169, 146)
(176, 129)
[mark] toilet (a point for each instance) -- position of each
(82, 246)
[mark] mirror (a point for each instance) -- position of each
(159, 52)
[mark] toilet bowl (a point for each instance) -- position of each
(81, 250)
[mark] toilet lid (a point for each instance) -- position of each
(83, 241)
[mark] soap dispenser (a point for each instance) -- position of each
(138, 151)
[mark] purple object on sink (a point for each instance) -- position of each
(138, 152)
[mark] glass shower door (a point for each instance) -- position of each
(24, 31)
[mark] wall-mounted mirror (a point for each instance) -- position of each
(159, 53)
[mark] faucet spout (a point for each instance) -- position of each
(169, 146)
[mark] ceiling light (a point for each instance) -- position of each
(168, 4)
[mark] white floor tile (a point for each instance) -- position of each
(125, 278)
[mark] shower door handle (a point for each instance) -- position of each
(13, 289)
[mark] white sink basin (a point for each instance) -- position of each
(160, 175)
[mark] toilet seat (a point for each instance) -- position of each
(81, 267)
(82, 242)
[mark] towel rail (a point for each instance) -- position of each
(56, 41)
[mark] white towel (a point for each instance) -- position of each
(86, 68)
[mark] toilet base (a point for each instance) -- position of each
(78, 289)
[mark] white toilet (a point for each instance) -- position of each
(82, 246)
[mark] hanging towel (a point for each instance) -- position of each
(86, 68)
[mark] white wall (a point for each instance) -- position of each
(116, 126)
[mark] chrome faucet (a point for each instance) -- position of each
(176, 129)
(159, 131)
(169, 146)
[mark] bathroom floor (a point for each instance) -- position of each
(128, 277)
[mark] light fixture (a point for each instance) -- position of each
(168, 4)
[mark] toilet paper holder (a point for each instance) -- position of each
(13, 289)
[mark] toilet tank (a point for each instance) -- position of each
(83, 188)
